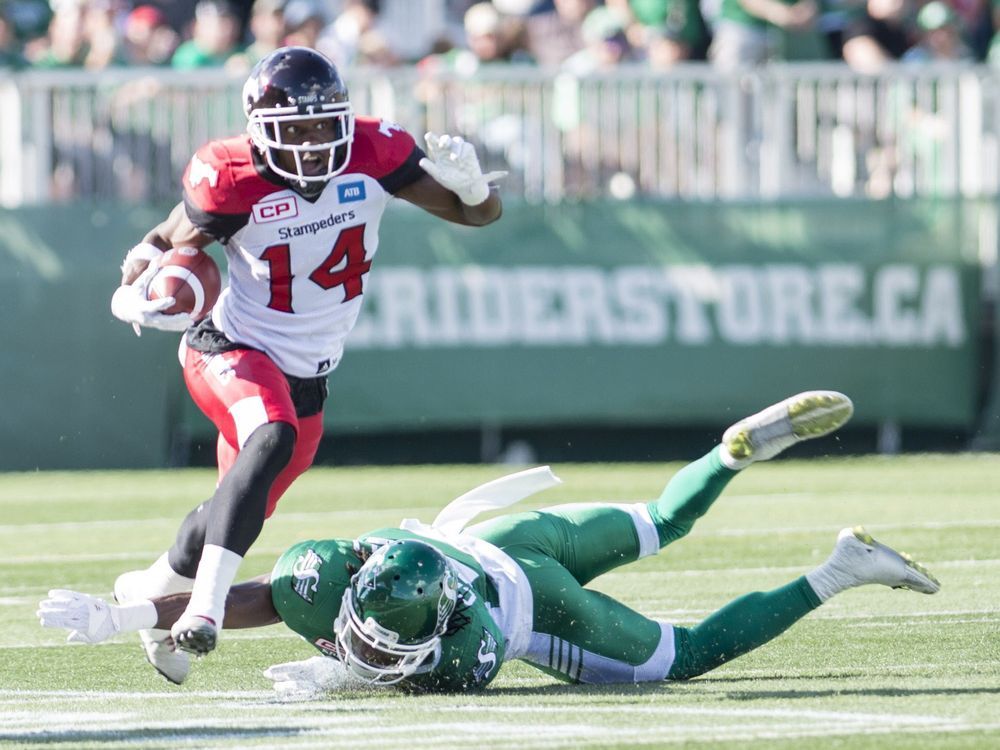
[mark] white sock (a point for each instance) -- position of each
(164, 580)
(736, 464)
(216, 573)
(828, 581)
(135, 616)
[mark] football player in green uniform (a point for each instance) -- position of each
(440, 607)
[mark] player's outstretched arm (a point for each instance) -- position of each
(91, 619)
(455, 188)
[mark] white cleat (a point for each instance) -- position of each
(767, 433)
(196, 634)
(157, 644)
(858, 559)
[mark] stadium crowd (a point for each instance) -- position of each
(580, 36)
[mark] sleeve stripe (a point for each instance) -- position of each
(405, 174)
(219, 226)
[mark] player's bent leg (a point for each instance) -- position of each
(688, 496)
(754, 619)
(307, 443)
(767, 433)
(185, 553)
(585, 636)
(741, 626)
(237, 513)
(587, 539)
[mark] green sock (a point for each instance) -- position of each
(688, 495)
(739, 627)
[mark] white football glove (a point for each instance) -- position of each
(138, 259)
(452, 161)
(89, 619)
(309, 679)
(129, 304)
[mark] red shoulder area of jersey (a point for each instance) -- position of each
(221, 177)
(379, 148)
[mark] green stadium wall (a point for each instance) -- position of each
(603, 313)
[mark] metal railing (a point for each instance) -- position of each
(694, 134)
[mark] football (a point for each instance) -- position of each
(191, 277)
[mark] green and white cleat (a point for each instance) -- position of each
(767, 433)
(858, 560)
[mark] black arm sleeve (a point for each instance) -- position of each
(219, 226)
(405, 174)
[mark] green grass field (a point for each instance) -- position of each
(872, 668)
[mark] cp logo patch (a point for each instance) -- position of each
(275, 209)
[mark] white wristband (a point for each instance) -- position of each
(136, 616)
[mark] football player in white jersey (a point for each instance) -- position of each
(296, 203)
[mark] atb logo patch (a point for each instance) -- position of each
(486, 656)
(350, 192)
(275, 209)
(305, 573)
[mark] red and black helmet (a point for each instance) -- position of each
(298, 83)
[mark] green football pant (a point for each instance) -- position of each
(586, 636)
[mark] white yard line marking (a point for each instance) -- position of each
(567, 724)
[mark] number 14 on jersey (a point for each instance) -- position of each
(344, 266)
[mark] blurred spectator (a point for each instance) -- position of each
(179, 13)
(355, 36)
(555, 35)
(10, 48)
(489, 38)
(744, 31)
(149, 39)
(65, 46)
(881, 33)
(939, 36)
(28, 19)
(516, 8)
(215, 37)
(993, 54)
(304, 21)
(103, 42)
(665, 31)
(607, 46)
(267, 28)
(976, 23)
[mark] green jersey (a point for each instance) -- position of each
(309, 580)
(307, 585)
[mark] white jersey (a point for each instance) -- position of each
(297, 267)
